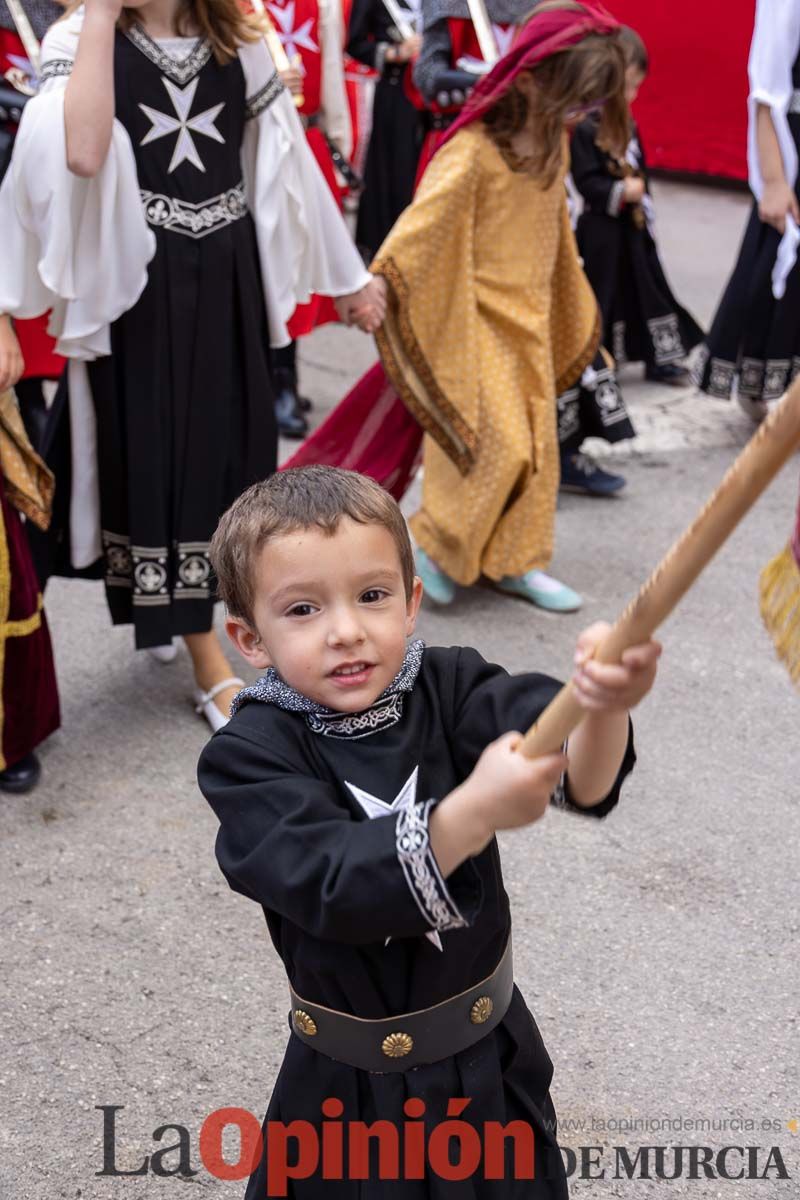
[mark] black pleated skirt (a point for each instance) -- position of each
(185, 423)
(754, 343)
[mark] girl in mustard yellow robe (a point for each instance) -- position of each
(490, 315)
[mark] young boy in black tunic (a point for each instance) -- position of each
(359, 785)
(642, 320)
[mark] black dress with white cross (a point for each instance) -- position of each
(184, 411)
(642, 320)
(324, 822)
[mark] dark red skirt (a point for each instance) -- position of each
(29, 711)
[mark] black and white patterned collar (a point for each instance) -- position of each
(386, 710)
(179, 70)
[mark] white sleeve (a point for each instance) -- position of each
(335, 110)
(775, 45)
(77, 246)
(304, 246)
(776, 40)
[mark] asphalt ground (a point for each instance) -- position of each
(657, 950)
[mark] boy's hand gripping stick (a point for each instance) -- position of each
(761, 459)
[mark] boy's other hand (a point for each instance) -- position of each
(613, 687)
(507, 789)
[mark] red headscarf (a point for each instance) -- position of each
(543, 35)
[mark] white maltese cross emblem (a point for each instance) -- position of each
(163, 124)
(374, 807)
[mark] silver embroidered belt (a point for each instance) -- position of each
(194, 220)
(794, 102)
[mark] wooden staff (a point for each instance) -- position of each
(764, 455)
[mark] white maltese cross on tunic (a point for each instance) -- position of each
(182, 100)
(374, 807)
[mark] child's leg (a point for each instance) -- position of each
(211, 667)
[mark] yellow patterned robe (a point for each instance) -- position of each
(490, 317)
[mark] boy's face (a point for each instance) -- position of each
(331, 613)
(634, 78)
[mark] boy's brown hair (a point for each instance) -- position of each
(298, 498)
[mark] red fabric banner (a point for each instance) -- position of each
(692, 109)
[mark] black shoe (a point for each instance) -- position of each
(304, 404)
(291, 422)
(672, 374)
(23, 776)
(579, 473)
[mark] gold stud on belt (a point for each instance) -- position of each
(303, 1023)
(481, 1010)
(397, 1045)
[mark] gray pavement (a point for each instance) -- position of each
(658, 950)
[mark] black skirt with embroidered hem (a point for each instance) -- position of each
(642, 320)
(593, 407)
(753, 346)
(184, 409)
(185, 423)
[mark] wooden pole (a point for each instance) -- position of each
(761, 459)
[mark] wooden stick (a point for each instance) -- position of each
(761, 459)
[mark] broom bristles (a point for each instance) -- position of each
(780, 608)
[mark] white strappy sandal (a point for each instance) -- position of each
(205, 706)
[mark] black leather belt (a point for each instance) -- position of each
(409, 1040)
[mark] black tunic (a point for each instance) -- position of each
(294, 836)
(183, 404)
(397, 131)
(642, 320)
(754, 342)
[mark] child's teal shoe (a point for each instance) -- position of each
(438, 586)
(542, 590)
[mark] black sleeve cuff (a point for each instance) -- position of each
(563, 799)
(451, 904)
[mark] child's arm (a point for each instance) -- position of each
(607, 691)
(506, 790)
(588, 165)
(288, 841)
(778, 197)
(89, 98)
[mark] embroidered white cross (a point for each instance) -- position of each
(503, 38)
(292, 39)
(374, 807)
(163, 124)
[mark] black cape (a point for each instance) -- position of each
(295, 837)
